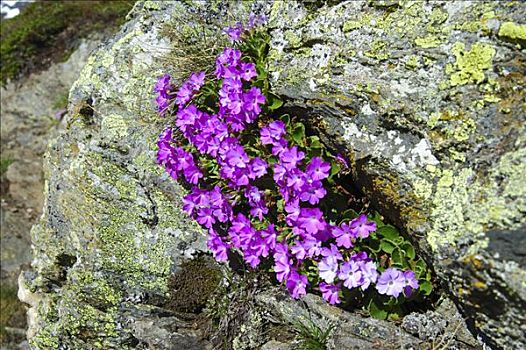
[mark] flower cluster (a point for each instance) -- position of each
(236, 189)
(235, 32)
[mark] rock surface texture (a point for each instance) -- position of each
(28, 117)
(424, 98)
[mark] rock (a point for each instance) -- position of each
(275, 345)
(422, 98)
(27, 110)
(166, 333)
(350, 331)
(112, 229)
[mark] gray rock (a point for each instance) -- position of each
(351, 331)
(423, 98)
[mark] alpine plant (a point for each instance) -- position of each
(260, 198)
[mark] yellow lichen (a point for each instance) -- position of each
(512, 31)
(470, 65)
(428, 41)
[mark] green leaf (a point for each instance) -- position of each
(388, 232)
(285, 118)
(314, 142)
(335, 169)
(377, 218)
(274, 102)
(298, 134)
(350, 214)
(409, 251)
(279, 205)
(398, 256)
(376, 311)
(426, 287)
(387, 247)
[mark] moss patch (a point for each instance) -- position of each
(46, 31)
(191, 287)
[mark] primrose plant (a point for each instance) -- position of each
(261, 187)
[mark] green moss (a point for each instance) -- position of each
(61, 100)
(470, 65)
(43, 31)
(191, 287)
(513, 32)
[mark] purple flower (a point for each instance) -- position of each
(205, 217)
(279, 147)
(234, 32)
(330, 293)
(184, 95)
(162, 104)
(252, 257)
(196, 80)
(351, 274)
(295, 179)
(165, 151)
(361, 227)
(248, 71)
(311, 220)
(258, 168)
(332, 251)
(318, 169)
(312, 192)
(216, 245)
(328, 269)
(229, 57)
(163, 84)
(192, 174)
(237, 157)
(369, 272)
(272, 134)
(187, 119)
(256, 20)
(268, 238)
(282, 263)
(410, 282)
(391, 282)
(298, 250)
(257, 203)
(296, 284)
(253, 99)
(313, 246)
(239, 230)
(290, 158)
(343, 235)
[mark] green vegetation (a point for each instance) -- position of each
(46, 32)
(312, 337)
(192, 286)
(4, 165)
(12, 313)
